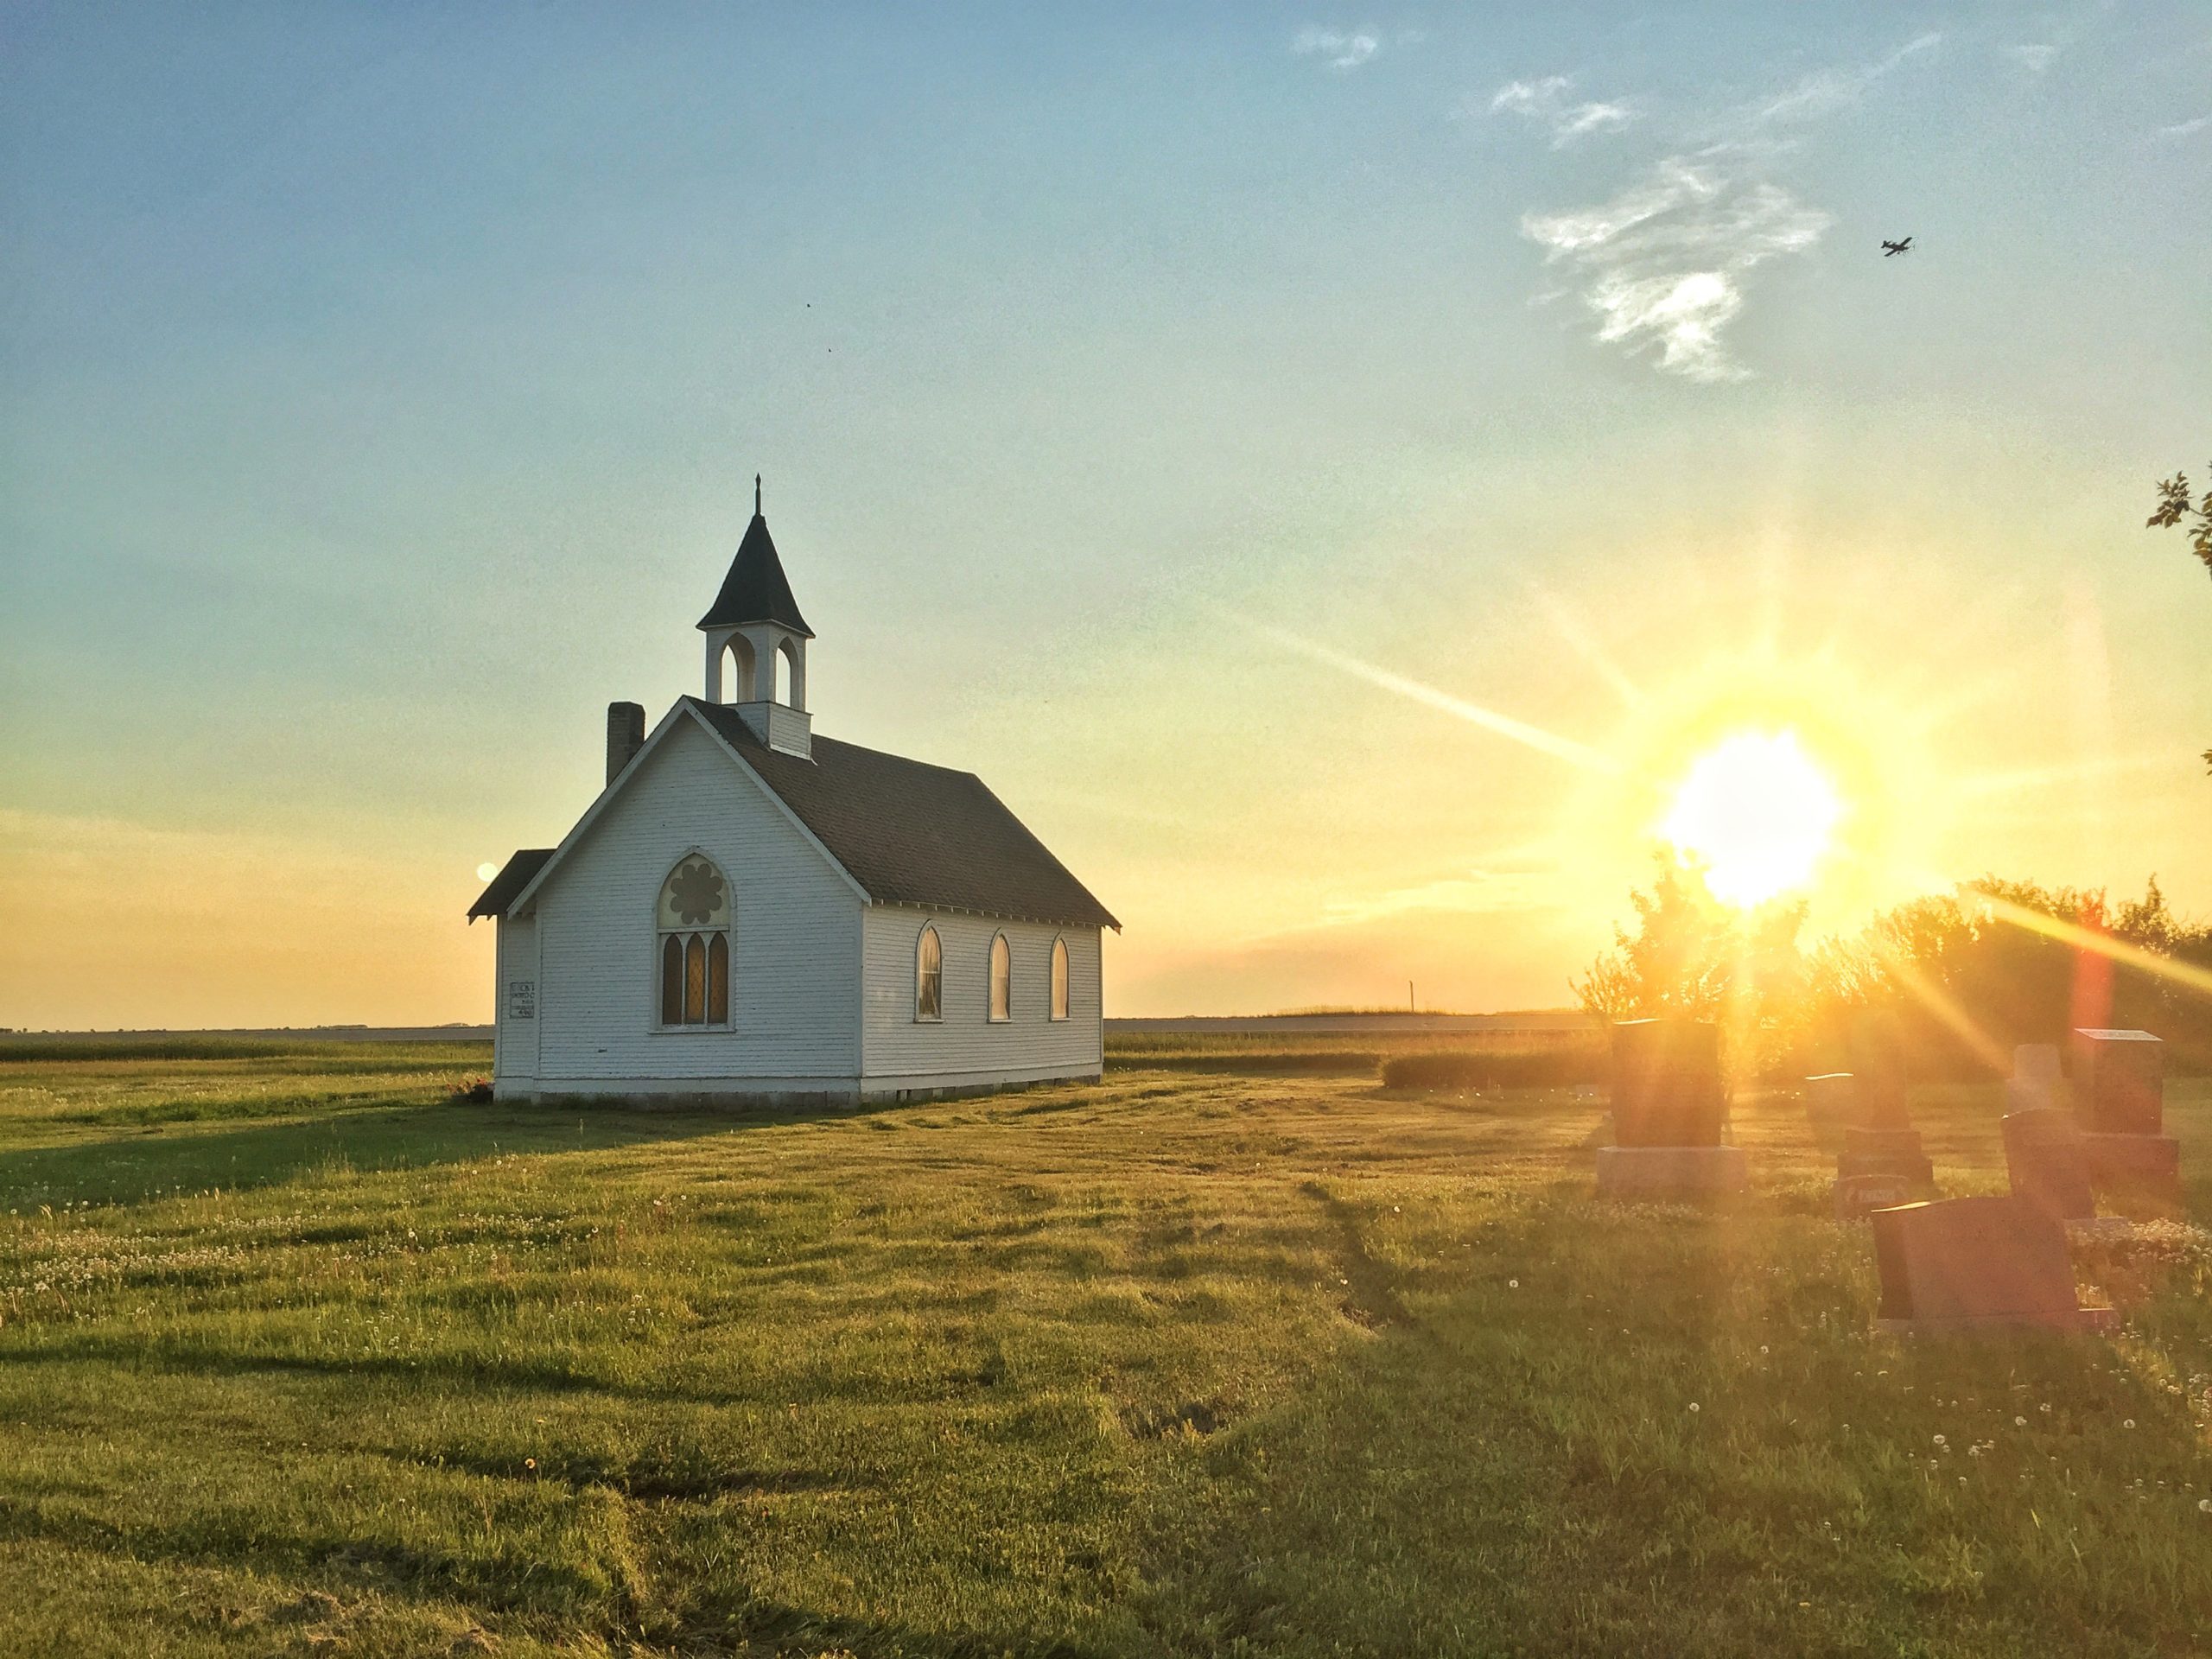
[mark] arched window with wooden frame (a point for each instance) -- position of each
(1060, 979)
(692, 917)
(929, 976)
(1001, 979)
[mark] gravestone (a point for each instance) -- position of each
(1667, 1085)
(2045, 1164)
(1832, 1102)
(1882, 1142)
(1957, 1265)
(1668, 1106)
(2120, 1099)
(2035, 1080)
(1857, 1196)
(1877, 1060)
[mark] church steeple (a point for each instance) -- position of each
(754, 624)
(756, 589)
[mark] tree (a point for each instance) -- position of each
(1693, 957)
(2173, 509)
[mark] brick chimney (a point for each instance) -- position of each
(626, 735)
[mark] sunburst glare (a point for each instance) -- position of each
(1757, 814)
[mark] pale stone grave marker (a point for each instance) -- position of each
(2034, 1078)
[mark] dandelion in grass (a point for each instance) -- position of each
(1693, 1405)
(2019, 1422)
(2129, 1423)
(1939, 1440)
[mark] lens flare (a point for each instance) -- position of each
(1757, 814)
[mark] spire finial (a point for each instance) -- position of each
(756, 495)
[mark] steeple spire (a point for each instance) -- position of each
(755, 629)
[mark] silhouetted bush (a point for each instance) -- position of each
(1580, 1061)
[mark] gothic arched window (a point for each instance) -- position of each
(1002, 978)
(929, 976)
(692, 917)
(1060, 979)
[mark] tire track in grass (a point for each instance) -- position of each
(1373, 1301)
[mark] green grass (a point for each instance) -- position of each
(296, 1357)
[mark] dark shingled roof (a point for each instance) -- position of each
(913, 834)
(756, 589)
(512, 878)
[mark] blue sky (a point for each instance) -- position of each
(386, 386)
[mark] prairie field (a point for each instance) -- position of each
(298, 1354)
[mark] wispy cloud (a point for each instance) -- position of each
(1477, 893)
(1664, 262)
(1826, 91)
(2034, 57)
(1344, 48)
(2186, 129)
(1546, 103)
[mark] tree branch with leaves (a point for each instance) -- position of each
(2173, 509)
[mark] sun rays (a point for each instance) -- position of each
(1501, 725)
(1778, 760)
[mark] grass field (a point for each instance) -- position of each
(296, 1357)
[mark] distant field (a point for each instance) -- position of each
(295, 1355)
(1335, 1053)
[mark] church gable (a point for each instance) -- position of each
(773, 924)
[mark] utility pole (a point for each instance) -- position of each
(1412, 1007)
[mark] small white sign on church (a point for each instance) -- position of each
(521, 999)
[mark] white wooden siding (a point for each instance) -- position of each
(966, 1047)
(514, 1042)
(794, 945)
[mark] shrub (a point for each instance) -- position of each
(1511, 1068)
(471, 1091)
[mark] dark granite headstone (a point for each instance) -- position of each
(1885, 1152)
(1858, 1196)
(1667, 1087)
(2142, 1163)
(1881, 1140)
(1962, 1264)
(2119, 1082)
(1832, 1101)
(2043, 1161)
(1878, 1061)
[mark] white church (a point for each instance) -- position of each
(749, 912)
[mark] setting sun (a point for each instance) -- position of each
(1757, 814)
